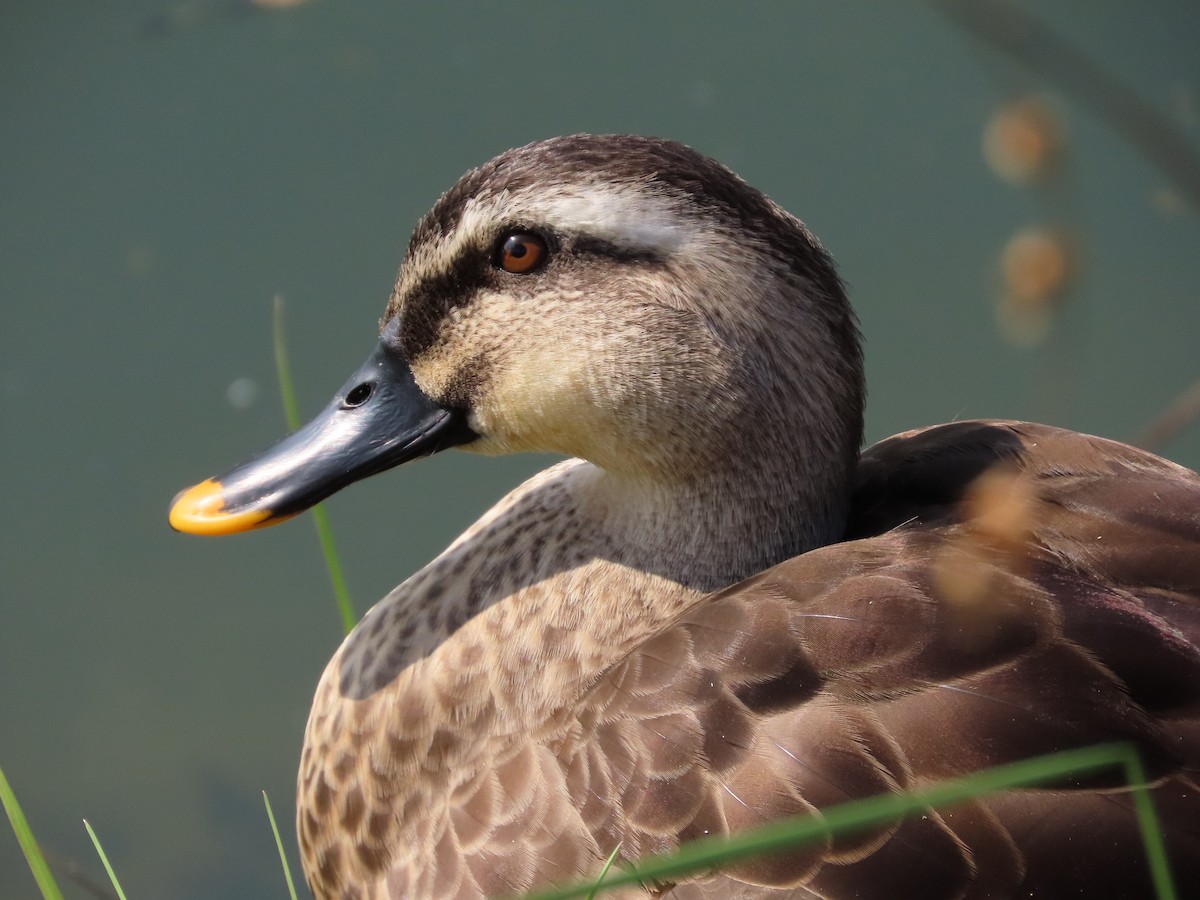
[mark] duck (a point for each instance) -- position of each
(718, 610)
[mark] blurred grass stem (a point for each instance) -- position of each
(320, 517)
(708, 853)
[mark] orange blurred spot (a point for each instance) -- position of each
(1037, 267)
(1023, 140)
(999, 512)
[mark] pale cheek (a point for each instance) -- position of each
(433, 373)
(540, 404)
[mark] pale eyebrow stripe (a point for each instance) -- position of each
(624, 215)
(628, 216)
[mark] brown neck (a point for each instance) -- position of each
(487, 644)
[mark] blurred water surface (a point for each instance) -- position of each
(162, 178)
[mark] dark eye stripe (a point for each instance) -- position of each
(589, 245)
(428, 302)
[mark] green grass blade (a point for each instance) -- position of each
(320, 516)
(29, 845)
(708, 853)
(287, 387)
(334, 565)
(612, 857)
(112, 876)
(287, 872)
(1156, 851)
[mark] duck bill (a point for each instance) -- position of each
(379, 419)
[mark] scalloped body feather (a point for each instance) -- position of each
(719, 613)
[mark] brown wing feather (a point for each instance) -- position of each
(864, 667)
(958, 629)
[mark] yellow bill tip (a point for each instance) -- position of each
(201, 510)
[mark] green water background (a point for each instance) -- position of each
(156, 191)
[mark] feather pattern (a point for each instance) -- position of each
(721, 613)
(858, 669)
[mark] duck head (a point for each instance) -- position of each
(621, 299)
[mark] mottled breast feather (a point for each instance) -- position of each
(719, 612)
(872, 666)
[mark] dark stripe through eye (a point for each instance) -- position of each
(587, 245)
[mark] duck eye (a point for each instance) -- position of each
(521, 252)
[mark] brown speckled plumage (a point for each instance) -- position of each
(668, 640)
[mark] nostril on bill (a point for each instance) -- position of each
(359, 395)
